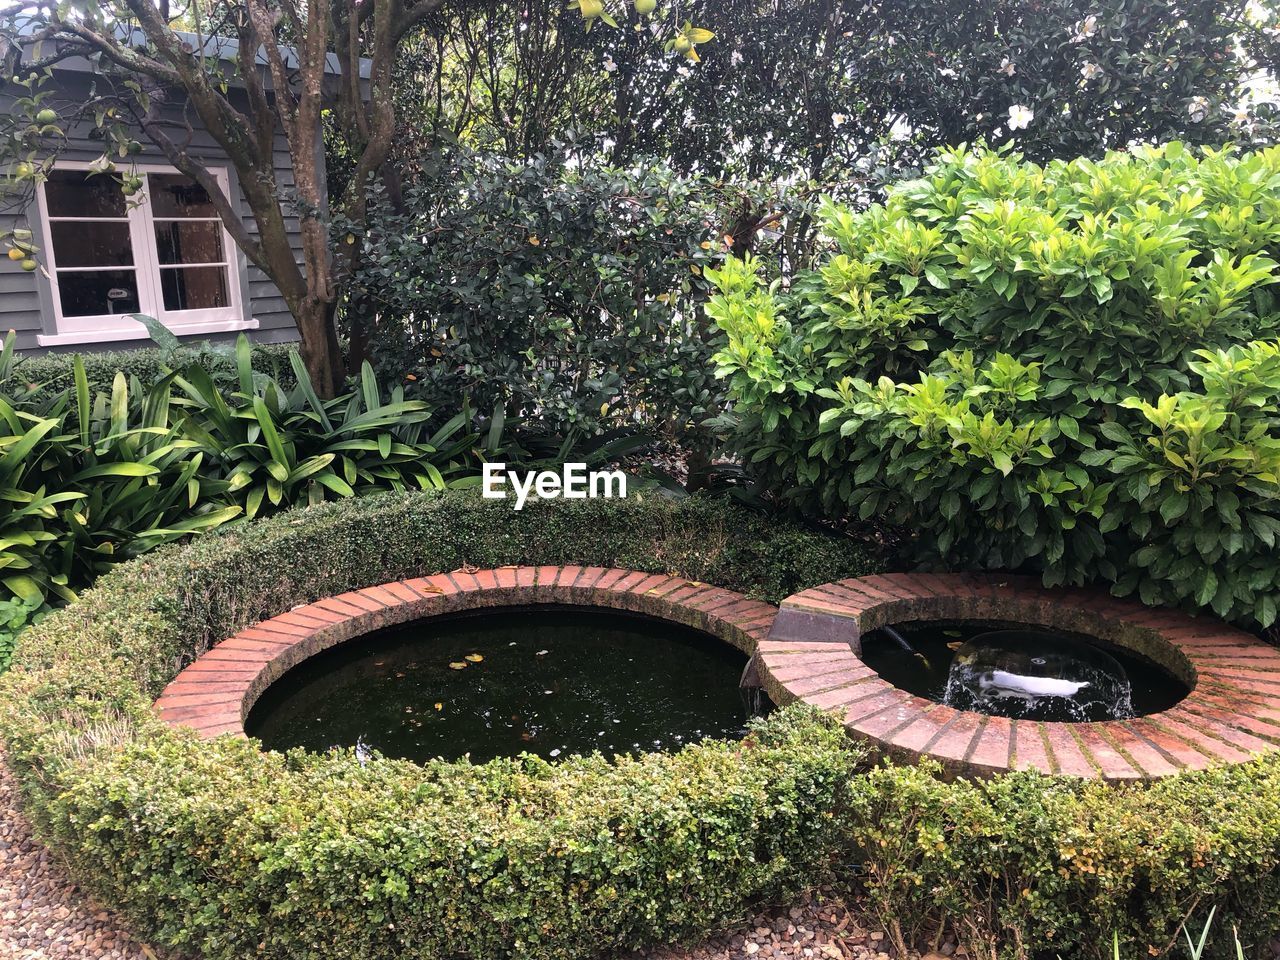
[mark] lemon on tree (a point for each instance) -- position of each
(592, 10)
(46, 116)
(646, 7)
(28, 265)
(686, 41)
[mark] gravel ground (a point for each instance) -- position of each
(44, 916)
(819, 927)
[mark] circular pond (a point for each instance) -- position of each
(1149, 692)
(1020, 671)
(486, 663)
(552, 681)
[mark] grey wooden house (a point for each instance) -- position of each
(162, 252)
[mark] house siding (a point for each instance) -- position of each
(26, 299)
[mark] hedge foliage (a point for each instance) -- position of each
(54, 371)
(570, 294)
(228, 852)
(223, 850)
(1024, 865)
(1070, 369)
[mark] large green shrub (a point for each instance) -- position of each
(1062, 368)
(226, 851)
(569, 294)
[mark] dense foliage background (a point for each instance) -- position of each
(1070, 369)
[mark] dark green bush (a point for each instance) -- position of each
(226, 851)
(568, 293)
(1064, 369)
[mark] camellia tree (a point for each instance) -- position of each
(244, 71)
(842, 92)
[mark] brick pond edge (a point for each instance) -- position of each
(1230, 715)
(215, 693)
(808, 649)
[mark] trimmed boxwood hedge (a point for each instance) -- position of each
(53, 371)
(221, 849)
(228, 852)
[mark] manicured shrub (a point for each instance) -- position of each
(225, 851)
(1025, 865)
(54, 371)
(1066, 369)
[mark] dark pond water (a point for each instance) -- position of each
(547, 681)
(1021, 672)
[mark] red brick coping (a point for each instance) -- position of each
(215, 693)
(1231, 714)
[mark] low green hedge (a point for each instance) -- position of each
(227, 852)
(53, 372)
(1024, 865)
(223, 850)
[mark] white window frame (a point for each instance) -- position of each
(104, 328)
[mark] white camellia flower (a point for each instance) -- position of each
(1241, 115)
(1007, 67)
(609, 65)
(1020, 117)
(1086, 28)
(1091, 71)
(1198, 109)
(837, 119)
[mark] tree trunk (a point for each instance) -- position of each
(320, 352)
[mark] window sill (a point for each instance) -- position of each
(138, 332)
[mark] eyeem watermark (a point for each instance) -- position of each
(573, 482)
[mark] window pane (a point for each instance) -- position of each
(76, 193)
(98, 292)
(194, 288)
(91, 243)
(198, 242)
(173, 195)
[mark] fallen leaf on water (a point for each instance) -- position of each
(473, 657)
(457, 665)
(955, 645)
(542, 653)
(438, 706)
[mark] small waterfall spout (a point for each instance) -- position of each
(905, 644)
